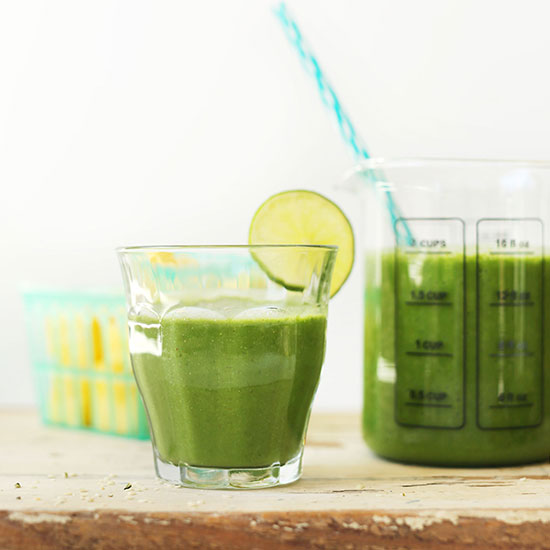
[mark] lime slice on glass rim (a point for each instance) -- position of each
(301, 217)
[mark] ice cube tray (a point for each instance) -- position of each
(79, 352)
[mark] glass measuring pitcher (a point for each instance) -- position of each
(457, 310)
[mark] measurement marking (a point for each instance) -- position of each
(428, 303)
(511, 304)
(439, 405)
(512, 253)
(429, 354)
(428, 252)
(520, 354)
(510, 405)
(520, 252)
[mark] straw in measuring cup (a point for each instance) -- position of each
(347, 130)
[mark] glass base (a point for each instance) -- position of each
(230, 478)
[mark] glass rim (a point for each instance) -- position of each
(414, 162)
(187, 247)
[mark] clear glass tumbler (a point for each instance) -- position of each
(457, 310)
(227, 344)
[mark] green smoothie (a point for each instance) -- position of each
(456, 366)
(229, 391)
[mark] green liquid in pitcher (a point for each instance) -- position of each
(456, 358)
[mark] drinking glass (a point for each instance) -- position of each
(227, 344)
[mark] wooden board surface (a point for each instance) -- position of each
(72, 496)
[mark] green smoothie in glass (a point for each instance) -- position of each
(230, 392)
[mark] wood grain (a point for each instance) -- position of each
(72, 496)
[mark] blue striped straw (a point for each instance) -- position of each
(347, 130)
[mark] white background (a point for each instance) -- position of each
(169, 122)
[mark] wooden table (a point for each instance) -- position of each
(72, 496)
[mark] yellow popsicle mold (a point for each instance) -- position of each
(86, 402)
(71, 398)
(55, 401)
(119, 388)
(81, 342)
(97, 345)
(243, 280)
(115, 346)
(64, 341)
(82, 356)
(102, 417)
(257, 280)
(169, 259)
(162, 258)
(50, 337)
(80, 352)
(70, 394)
(230, 283)
(121, 407)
